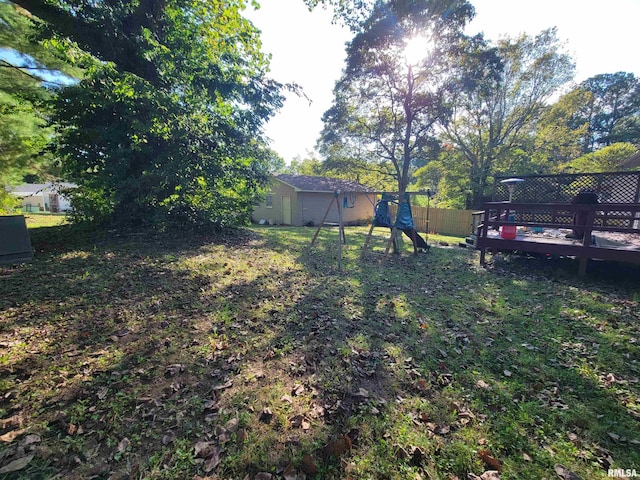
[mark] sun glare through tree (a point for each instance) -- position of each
(416, 49)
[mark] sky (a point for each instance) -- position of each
(309, 50)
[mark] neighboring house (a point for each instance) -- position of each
(303, 200)
(43, 197)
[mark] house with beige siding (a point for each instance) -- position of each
(43, 197)
(303, 200)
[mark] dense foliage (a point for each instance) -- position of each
(166, 125)
(28, 75)
(386, 105)
(469, 109)
(611, 109)
(493, 115)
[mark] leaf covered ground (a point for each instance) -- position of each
(247, 355)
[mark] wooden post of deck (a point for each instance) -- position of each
(586, 240)
(482, 233)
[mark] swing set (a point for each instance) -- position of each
(382, 218)
(403, 223)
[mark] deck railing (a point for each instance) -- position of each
(582, 219)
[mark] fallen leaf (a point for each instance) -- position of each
(290, 473)
(507, 373)
(175, 369)
(443, 430)
(317, 411)
(338, 447)
(223, 386)
(298, 390)
(102, 393)
(362, 393)
(203, 449)
(610, 379)
(287, 399)
(400, 453)
(526, 457)
(16, 465)
(266, 415)
(123, 445)
(31, 439)
(490, 461)
(564, 473)
(11, 436)
(292, 441)
(431, 426)
(308, 465)
(214, 460)
(14, 421)
(263, 476)
(232, 425)
(490, 475)
(614, 436)
(242, 435)
(422, 385)
(482, 384)
(417, 457)
(296, 421)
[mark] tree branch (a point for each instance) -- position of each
(121, 49)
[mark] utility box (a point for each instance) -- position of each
(15, 244)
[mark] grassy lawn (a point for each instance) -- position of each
(38, 220)
(249, 355)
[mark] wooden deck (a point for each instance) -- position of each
(601, 221)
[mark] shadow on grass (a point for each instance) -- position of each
(166, 341)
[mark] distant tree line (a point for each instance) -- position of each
(164, 122)
(156, 109)
(467, 109)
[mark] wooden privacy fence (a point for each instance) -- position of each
(443, 221)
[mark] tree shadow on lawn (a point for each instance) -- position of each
(545, 391)
(550, 375)
(85, 328)
(191, 341)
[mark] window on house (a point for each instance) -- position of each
(269, 201)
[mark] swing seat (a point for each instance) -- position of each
(381, 216)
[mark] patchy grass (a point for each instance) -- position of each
(38, 220)
(161, 357)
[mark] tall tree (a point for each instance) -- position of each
(558, 133)
(167, 125)
(28, 72)
(606, 159)
(492, 120)
(129, 34)
(351, 13)
(611, 110)
(389, 98)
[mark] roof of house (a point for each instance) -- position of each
(28, 189)
(632, 161)
(308, 183)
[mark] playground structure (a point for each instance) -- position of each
(382, 218)
(403, 222)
